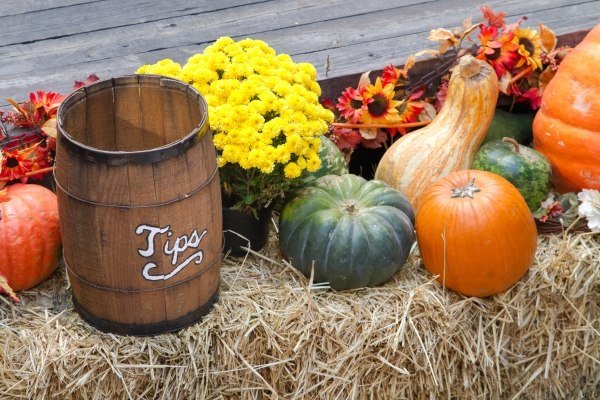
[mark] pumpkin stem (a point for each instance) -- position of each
(5, 288)
(466, 191)
(350, 208)
(513, 142)
(469, 66)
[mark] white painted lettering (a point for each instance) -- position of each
(180, 245)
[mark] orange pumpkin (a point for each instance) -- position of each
(566, 129)
(476, 232)
(29, 234)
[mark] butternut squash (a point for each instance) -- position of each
(450, 142)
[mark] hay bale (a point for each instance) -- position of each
(274, 334)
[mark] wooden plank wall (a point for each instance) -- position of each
(49, 44)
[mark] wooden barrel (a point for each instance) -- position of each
(139, 203)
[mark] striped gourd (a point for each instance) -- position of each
(450, 142)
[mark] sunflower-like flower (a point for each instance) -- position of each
(351, 105)
(529, 47)
(381, 106)
(15, 164)
(409, 111)
(499, 52)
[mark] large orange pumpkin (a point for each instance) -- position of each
(475, 232)
(566, 129)
(29, 235)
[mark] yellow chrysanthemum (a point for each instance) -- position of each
(263, 109)
(313, 162)
(292, 170)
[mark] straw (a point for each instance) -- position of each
(276, 334)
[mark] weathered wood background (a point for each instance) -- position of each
(49, 44)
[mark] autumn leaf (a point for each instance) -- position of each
(492, 18)
(435, 53)
(545, 78)
(504, 82)
(548, 38)
(364, 80)
(377, 141)
(346, 139)
(17, 107)
(368, 133)
(90, 79)
(49, 127)
(410, 62)
(444, 37)
(428, 113)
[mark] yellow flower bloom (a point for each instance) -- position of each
(263, 109)
(313, 162)
(282, 154)
(292, 170)
(530, 47)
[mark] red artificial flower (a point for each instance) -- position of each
(390, 75)
(41, 107)
(46, 101)
(409, 112)
(555, 210)
(15, 165)
(533, 96)
(500, 52)
(351, 105)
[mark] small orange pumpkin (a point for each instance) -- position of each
(566, 129)
(475, 232)
(30, 236)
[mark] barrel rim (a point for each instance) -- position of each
(148, 156)
(149, 329)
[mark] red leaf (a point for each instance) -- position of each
(375, 143)
(492, 18)
(90, 79)
(346, 139)
(328, 104)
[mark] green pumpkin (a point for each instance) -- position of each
(528, 170)
(358, 233)
(332, 161)
(506, 124)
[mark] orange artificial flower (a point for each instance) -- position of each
(15, 164)
(500, 53)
